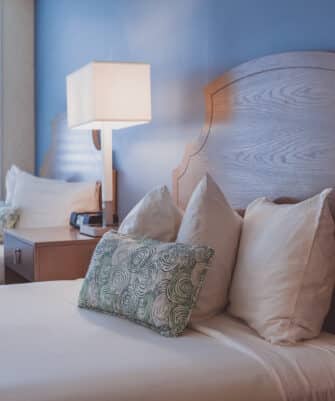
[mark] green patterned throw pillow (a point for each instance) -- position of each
(8, 218)
(155, 284)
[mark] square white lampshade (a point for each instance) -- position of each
(109, 95)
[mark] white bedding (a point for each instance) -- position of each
(52, 351)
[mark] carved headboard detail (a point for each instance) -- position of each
(269, 131)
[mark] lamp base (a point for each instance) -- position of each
(109, 222)
(109, 217)
(95, 231)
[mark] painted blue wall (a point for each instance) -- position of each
(188, 43)
(241, 30)
(170, 35)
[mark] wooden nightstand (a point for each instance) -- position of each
(42, 254)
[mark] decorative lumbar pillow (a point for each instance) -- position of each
(285, 272)
(208, 219)
(46, 202)
(152, 283)
(155, 217)
(8, 218)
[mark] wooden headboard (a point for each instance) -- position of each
(269, 131)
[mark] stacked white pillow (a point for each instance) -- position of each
(285, 272)
(46, 202)
(284, 277)
(209, 220)
(155, 216)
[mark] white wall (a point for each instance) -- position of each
(17, 92)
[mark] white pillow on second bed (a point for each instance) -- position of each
(11, 178)
(285, 273)
(46, 202)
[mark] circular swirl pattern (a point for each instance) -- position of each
(168, 258)
(161, 284)
(120, 279)
(145, 306)
(160, 311)
(122, 255)
(180, 288)
(127, 303)
(138, 288)
(148, 274)
(139, 257)
(178, 317)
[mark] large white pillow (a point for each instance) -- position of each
(285, 272)
(46, 203)
(155, 216)
(11, 178)
(209, 220)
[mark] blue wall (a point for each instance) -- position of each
(241, 30)
(187, 42)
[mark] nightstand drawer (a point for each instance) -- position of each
(19, 257)
(49, 253)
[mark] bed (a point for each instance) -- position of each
(57, 352)
(270, 130)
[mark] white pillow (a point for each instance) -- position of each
(285, 272)
(10, 183)
(45, 202)
(155, 216)
(11, 178)
(209, 220)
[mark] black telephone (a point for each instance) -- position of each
(88, 218)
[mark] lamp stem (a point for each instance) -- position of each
(107, 178)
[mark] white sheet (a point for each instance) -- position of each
(52, 351)
(302, 372)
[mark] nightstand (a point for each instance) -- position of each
(42, 254)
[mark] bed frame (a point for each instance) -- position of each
(269, 131)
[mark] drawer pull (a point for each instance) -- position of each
(17, 256)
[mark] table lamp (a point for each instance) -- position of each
(106, 96)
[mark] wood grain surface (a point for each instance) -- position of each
(269, 131)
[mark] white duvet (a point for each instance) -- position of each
(52, 351)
